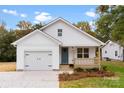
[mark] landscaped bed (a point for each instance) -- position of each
(80, 75)
(84, 73)
(116, 81)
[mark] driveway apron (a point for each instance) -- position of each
(29, 79)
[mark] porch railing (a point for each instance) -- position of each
(87, 61)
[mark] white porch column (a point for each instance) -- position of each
(99, 57)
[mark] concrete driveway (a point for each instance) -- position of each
(29, 79)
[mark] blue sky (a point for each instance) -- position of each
(11, 15)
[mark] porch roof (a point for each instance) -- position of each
(78, 45)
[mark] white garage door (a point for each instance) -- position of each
(38, 60)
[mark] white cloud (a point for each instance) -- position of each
(36, 22)
(5, 10)
(43, 16)
(90, 13)
(45, 13)
(37, 12)
(23, 15)
(14, 12)
(92, 24)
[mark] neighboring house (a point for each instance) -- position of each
(112, 51)
(57, 43)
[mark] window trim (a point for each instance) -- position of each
(116, 53)
(59, 32)
(82, 53)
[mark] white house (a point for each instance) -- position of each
(57, 43)
(112, 51)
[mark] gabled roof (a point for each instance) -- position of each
(30, 34)
(109, 42)
(70, 24)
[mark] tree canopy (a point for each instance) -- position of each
(110, 24)
(24, 25)
(85, 26)
(7, 51)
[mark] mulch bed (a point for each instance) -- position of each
(79, 75)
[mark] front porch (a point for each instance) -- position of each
(87, 63)
(84, 57)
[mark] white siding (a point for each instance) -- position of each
(37, 42)
(71, 55)
(60, 55)
(37, 39)
(92, 52)
(19, 58)
(111, 48)
(70, 36)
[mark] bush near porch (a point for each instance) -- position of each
(116, 81)
(84, 73)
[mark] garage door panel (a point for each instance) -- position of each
(39, 60)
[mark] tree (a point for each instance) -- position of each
(7, 51)
(84, 26)
(25, 28)
(103, 27)
(24, 25)
(37, 26)
(102, 9)
(2, 26)
(118, 25)
(21, 33)
(110, 24)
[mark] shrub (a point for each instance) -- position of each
(86, 70)
(92, 70)
(104, 68)
(79, 69)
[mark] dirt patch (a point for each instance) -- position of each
(7, 66)
(79, 75)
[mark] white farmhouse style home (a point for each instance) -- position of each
(112, 51)
(57, 44)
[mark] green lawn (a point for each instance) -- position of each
(94, 82)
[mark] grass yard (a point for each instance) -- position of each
(100, 82)
(7, 66)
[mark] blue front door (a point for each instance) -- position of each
(64, 55)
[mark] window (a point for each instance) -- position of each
(82, 53)
(79, 53)
(105, 52)
(86, 53)
(116, 53)
(59, 32)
